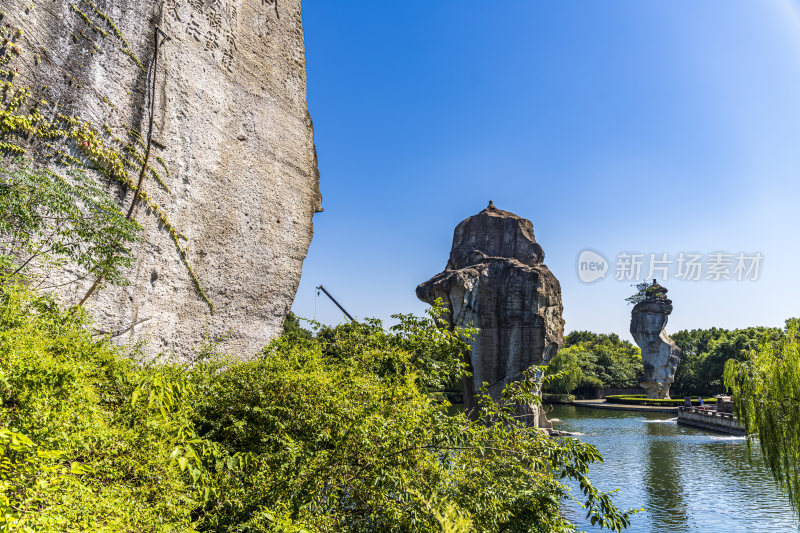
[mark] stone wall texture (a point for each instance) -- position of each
(232, 125)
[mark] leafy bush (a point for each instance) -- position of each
(86, 455)
(564, 371)
(343, 438)
(766, 397)
(557, 398)
(326, 434)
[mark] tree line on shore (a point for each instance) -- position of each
(596, 361)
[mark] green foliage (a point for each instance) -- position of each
(564, 371)
(328, 434)
(557, 398)
(766, 399)
(20, 465)
(705, 352)
(101, 460)
(609, 362)
(643, 290)
(47, 220)
(436, 353)
(606, 361)
(343, 441)
(293, 329)
(439, 355)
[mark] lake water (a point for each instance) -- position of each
(688, 480)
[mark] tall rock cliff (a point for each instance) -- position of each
(233, 143)
(496, 281)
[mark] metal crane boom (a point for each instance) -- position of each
(337, 303)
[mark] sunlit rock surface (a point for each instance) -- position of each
(496, 281)
(232, 127)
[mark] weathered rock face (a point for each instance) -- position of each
(496, 281)
(660, 356)
(233, 128)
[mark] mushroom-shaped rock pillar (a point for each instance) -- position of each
(660, 356)
(496, 281)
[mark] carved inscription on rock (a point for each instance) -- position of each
(214, 24)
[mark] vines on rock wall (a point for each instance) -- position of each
(54, 137)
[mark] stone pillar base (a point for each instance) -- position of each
(656, 390)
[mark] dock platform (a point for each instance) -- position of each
(711, 420)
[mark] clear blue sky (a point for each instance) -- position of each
(613, 125)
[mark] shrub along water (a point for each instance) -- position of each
(334, 433)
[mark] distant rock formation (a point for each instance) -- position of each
(660, 356)
(496, 281)
(231, 125)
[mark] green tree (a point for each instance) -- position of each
(606, 361)
(766, 396)
(91, 453)
(343, 438)
(693, 345)
(293, 329)
(640, 295)
(564, 370)
(56, 168)
(48, 220)
(705, 352)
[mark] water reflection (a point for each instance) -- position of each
(662, 479)
(689, 480)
